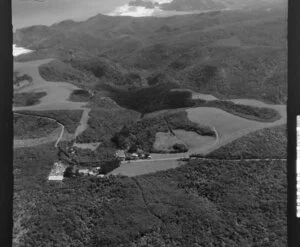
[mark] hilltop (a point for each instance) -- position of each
(230, 54)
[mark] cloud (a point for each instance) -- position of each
(159, 8)
(135, 11)
(19, 50)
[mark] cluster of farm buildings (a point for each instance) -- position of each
(61, 170)
(126, 155)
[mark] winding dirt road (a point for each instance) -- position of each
(57, 98)
(56, 135)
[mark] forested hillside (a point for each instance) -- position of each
(230, 54)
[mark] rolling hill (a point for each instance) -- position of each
(229, 54)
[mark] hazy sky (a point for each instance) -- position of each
(46, 12)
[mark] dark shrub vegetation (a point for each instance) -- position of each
(80, 95)
(268, 143)
(19, 78)
(27, 127)
(28, 99)
(152, 98)
(103, 123)
(213, 203)
(244, 111)
(109, 165)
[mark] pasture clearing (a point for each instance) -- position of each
(194, 141)
(140, 167)
(229, 127)
(164, 142)
(58, 94)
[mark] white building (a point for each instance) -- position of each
(56, 178)
(57, 172)
(84, 171)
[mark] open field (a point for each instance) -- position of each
(144, 65)
(228, 126)
(57, 93)
(194, 141)
(165, 141)
(132, 169)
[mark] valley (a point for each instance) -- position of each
(172, 131)
(227, 127)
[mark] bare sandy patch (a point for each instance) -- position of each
(83, 125)
(92, 146)
(165, 141)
